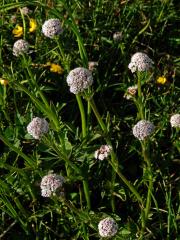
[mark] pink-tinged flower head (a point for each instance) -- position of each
(37, 127)
(79, 79)
(50, 184)
(140, 62)
(52, 28)
(107, 227)
(143, 129)
(20, 47)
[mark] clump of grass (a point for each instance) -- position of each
(112, 136)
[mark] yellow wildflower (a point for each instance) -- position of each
(162, 80)
(56, 68)
(3, 82)
(32, 25)
(18, 31)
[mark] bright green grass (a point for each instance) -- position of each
(138, 185)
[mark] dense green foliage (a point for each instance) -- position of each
(138, 184)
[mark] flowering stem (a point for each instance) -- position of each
(114, 162)
(145, 152)
(83, 122)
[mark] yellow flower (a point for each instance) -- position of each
(18, 31)
(3, 82)
(55, 68)
(32, 25)
(162, 80)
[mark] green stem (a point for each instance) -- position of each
(88, 115)
(130, 186)
(82, 112)
(114, 162)
(145, 151)
(98, 116)
(140, 97)
(83, 122)
(113, 179)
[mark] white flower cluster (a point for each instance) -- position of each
(143, 129)
(79, 79)
(20, 47)
(175, 120)
(107, 227)
(50, 184)
(52, 28)
(131, 91)
(37, 127)
(140, 62)
(103, 152)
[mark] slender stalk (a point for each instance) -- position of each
(82, 112)
(145, 153)
(98, 116)
(114, 162)
(140, 97)
(83, 122)
(113, 179)
(129, 185)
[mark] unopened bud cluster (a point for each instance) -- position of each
(131, 92)
(103, 152)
